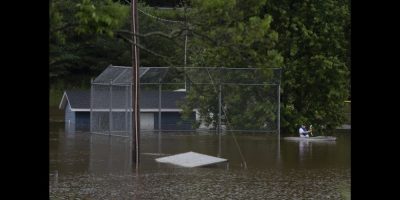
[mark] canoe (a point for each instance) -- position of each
(316, 138)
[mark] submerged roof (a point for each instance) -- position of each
(191, 159)
(80, 99)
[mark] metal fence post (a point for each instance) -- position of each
(126, 108)
(110, 114)
(219, 118)
(159, 105)
(91, 105)
(279, 111)
(130, 112)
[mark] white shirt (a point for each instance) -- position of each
(302, 131)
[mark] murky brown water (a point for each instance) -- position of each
(89, 166)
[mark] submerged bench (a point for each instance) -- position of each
(191, 159)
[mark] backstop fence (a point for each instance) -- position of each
(187, 99)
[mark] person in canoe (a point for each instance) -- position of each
(303, 132)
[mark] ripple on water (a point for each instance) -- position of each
(205, 183)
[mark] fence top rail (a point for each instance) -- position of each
(118, 75)
(228, 68)
(182, 83)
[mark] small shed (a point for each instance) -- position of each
(76, 105)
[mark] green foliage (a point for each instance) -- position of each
(228, 33)
(84, 37)
(81, 37)
(101, 19)
(169, 50)
(233, 34)
(314, 40)
(309, 39)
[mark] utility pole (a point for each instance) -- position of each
(135, 82)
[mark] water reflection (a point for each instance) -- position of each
(305, 147)
(69, 129)
(110, 154)
(306, 154)
(91, 166)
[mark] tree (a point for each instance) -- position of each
(238, 34)
(314, 40)
(82, 36)
(309, 39)
(312, 48)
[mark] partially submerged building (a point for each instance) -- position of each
(76, 105)
(107, 107)
(227, 97)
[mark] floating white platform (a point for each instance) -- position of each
(191, 159)
(317, 138)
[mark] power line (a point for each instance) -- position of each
(161, 19)
(227, 121)
(157, 18)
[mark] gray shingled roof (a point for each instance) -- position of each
(149, 99)
(80, 99)
(118, 74)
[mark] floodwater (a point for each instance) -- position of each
(90, 166)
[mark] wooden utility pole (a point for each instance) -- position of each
(136, 87)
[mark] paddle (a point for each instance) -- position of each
(311, 130)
